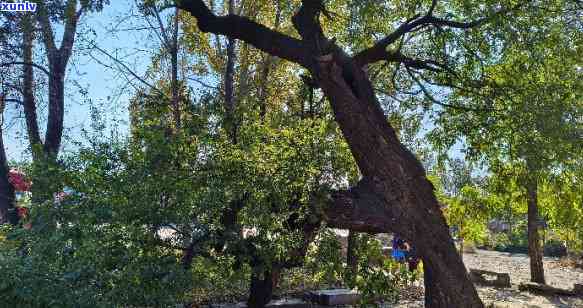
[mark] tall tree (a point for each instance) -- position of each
(14, 47)
(394, 186)
(8, 212)
(532, 123)
(46, 151)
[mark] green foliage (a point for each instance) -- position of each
(218, 281)
(96, 247)
(562, 200)
(324, 262)
(379, 277)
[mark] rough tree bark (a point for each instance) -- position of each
(8, 212)
(261, 289)
(535, 251)
(351, 254)
(395, 194)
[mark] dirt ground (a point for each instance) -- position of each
(517, 265)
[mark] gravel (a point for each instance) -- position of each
(517, 265)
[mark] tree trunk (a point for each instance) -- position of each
(29, 103)
(56, 115)
(535, 252)
(433, 295)
(262, 286)
(8, 212)
(351, 255)
(58, 57)
(397, 179)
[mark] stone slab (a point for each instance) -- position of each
(501, 279)
(334, 297)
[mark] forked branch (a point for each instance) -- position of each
(378, 51)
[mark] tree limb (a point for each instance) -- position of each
(40, 67)
(70, 31)
(237, 27)
(377, 52)
(46, 29)
(437, 102)
(358, 209)
(130, 71)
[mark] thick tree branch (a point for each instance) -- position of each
(72, 19)
(306, 20)
(357, 209)
(429, 65)
(46, 29)
(13, 100)
(237, 27)
(378, 51)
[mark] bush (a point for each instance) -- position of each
(380, 277)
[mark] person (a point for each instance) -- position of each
(412, 258)
(398, 249)
(404, 251)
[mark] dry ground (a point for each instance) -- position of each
(517, 265)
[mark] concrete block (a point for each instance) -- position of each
(334, 297)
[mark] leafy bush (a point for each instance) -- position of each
(380, 277)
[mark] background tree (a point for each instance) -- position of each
(45, 152)
(9, 95)
(533, 121)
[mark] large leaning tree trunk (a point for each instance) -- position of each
(394, 194)
(535, 249)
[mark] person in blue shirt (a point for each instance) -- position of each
(398, 248)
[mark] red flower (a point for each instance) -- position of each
(22, 212)
(18, 180)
